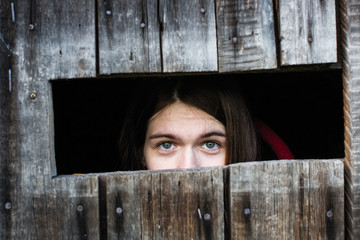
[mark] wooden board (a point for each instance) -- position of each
(45, 40)
(59, 39)
(164, 205)
(129, 37)
(188, 37)
(246, 37)
(6, 46)
(73, 208)
(287, 200)
(350, 42)
(307, 32)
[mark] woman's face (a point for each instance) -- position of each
(181, 136)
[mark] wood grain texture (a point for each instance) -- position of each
(47, 40)
(6, 46)
(73, 208)
(307, 31)
(60, 37)
(350, 52)
(165, 205)
(129, 37)
(287, 200)
(188, 36)
(246, 38)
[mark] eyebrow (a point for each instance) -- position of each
(160, 135)
(214, 133)
(170, 136)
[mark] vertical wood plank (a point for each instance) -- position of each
(73, 208)
(165, 205)
(6, 47)
(188, 36)
(61, 38)
(350, 49)
(246, 38)
(287, 200)
(49, 40)
(307, 32)
(129, 36)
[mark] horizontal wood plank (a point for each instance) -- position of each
(246, 37)
(307, 32)
(287, 200)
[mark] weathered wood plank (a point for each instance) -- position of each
(73, 208)
(164, 205)
(188, 35)
(49, 39)
(129, 37)
(246, 38)
(61, 38)
(350, 43)
(287, 200)
(307, 32)
(6, 45)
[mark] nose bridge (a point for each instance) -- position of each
(188, 158)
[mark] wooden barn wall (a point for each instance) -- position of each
(49, 40)
(350, 48)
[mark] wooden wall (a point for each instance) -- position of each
(49, 40)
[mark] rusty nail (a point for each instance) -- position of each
(119, 210)
(108, 12)
(142, 25)
(8, 205)
(80, 208)
(247, 211)
(207, 216)
(202, 10)
(31, 26)
(33, 96)
(310, 39)
(329, 214)
(234, 39)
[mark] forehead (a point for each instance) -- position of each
(185, 115)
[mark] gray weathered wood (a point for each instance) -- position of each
(129, 37)
(188, 35)
(6, 46)
(164, 205)
(350, 42)
(60, 40)
(73, 208)
(287, 200)
(307, 31)
(46, 40)
(246, 38)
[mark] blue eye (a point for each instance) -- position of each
(166, 145)
(210, 145)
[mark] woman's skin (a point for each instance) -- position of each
(181, 136)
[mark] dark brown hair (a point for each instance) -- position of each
(220, 99)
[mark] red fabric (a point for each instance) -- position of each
(275, 142)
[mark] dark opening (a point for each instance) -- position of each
(304, 108)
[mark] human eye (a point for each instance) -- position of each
(166, 146)
(211, 146)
